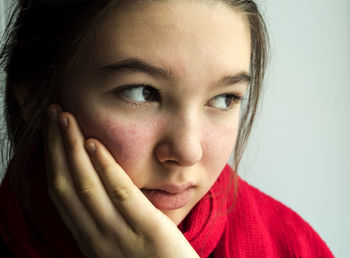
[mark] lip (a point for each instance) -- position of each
(169, 196)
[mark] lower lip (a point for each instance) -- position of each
(167, 201)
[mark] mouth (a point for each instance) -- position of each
(169, 197)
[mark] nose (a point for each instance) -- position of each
(180, 144)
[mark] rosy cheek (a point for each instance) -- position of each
(219, 142)
(130, 143)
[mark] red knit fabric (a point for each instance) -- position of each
(256, 226)
(40, 234)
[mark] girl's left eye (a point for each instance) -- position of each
(140, 93)
(224, 101)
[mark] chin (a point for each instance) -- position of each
(175, 215)
(178, 215)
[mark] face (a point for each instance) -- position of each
(161, 91)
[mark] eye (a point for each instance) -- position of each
(224, 101)
(140, 93)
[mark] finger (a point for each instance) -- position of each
(126, 196)
(60, 185)
(55, 162)
(57, 170)
(87, 182)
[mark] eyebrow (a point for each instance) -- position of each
(138, 65)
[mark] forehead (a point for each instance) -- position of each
(183, 35)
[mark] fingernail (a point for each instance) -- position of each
(64, 123)
(52, 113)
(91, 147)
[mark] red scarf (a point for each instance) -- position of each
(205, 224)
(43, 234)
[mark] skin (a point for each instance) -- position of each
(184, 136)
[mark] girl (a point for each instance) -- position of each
(131, 160)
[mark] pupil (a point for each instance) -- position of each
(227, 100)
(147, 93)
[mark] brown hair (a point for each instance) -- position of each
(43, 38)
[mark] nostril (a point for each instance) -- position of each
(171, 163)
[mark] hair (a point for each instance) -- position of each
(44, 39)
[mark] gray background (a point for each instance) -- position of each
(300, 149)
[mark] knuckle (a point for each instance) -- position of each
(119, 194)
(85, 191)
(103, 168)
(58, 188)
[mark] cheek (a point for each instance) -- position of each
(130, 143)
(219, 141)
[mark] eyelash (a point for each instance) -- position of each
(235, 99)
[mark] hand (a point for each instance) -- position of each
(106, 213)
